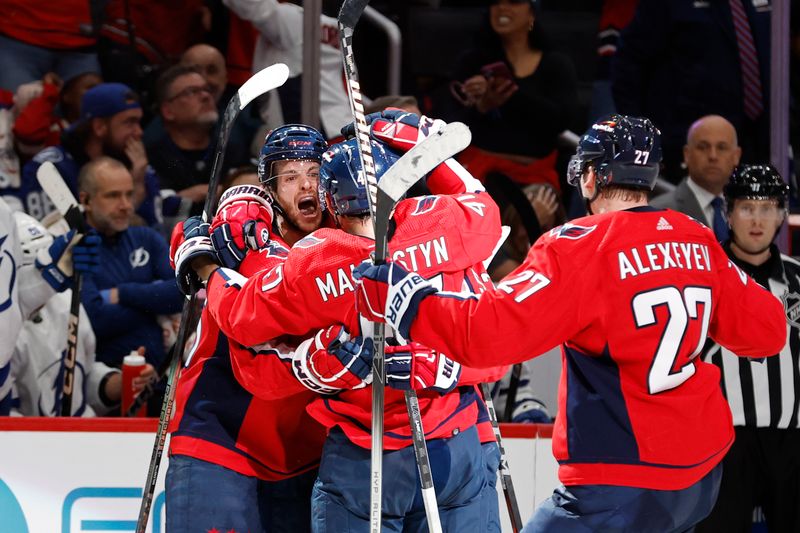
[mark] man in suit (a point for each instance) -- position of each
(680, 60)
(711, 153)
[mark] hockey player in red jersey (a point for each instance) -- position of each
(256, 459)
(631, 292)
(314, 289)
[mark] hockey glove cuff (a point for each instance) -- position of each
(190, 241)
(332, 361)
(387, 293)
(242, 223)
(417, 367)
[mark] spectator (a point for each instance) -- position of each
(680, 60)
(406, 103)
(109, 126)
(140, 36)
(55, 106)
(211, 64)
(9, 160)
(549, 214)
(184, 154)
(614, 16)
(517, 96)
(281, 41)
(763, 465)
(711, 153)
(36, 365)
(135, 283)
(37, 38)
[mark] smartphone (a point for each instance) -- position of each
(497, 70)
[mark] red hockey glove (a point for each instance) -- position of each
(189, 241)
(417, 367)
(398, 129)
(401, 130)
(242, 223)
(331, 361)
(387, 293)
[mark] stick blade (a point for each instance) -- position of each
(262, 81)
(351, 11)
(56, 188)
(423, 158)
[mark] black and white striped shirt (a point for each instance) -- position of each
(766, 393)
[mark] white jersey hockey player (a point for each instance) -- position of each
(22, 290)
(36, 368)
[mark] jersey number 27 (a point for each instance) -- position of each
(682, 306)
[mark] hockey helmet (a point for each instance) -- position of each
(756, 182)
(624, 151)
(292, 141)
(343, 182)
(32, 236)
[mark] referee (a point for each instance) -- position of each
(763, 465)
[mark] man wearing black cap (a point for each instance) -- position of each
(109, 125)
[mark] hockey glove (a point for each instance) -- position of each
(190, 241)
(401, 130)
(417, 367)
(396, 128)
(66, 255)
(387, 293)
(332, 361)
(242, 223)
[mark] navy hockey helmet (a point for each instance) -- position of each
(756, 182)
(342, 180)
(624, 151)
(292, 141)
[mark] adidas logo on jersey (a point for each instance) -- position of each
(663, 224)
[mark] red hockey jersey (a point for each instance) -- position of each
(220, 421)
(443, 237)
(632, 296)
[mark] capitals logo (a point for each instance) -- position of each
(571, 231)
(424, 205)
(308, 242)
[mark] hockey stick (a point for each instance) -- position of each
(261, 82)
(394, 184)
(504, 470)
(53, 184)
(349, 14)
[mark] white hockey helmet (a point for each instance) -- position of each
(32, 236)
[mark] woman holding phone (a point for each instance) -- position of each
(516, 95)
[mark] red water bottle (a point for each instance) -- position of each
(132, 366)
